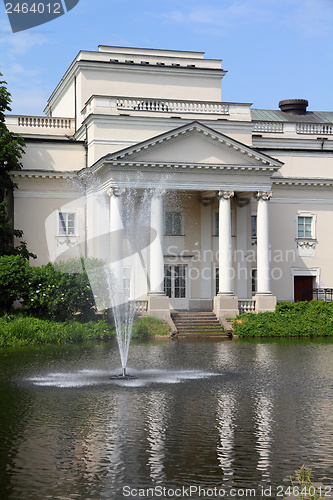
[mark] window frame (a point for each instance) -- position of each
(173, 231)
(304, 215)
(67, 213)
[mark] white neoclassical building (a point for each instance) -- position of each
(207, 204)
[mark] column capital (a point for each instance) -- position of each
(263, 195)
(115, 191)
(226, 195)
(157, 193)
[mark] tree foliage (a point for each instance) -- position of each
(11, 145)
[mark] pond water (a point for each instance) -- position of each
(237, 415)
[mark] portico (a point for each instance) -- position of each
(197, 208)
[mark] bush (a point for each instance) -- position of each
(148, 326)
(61, 291)
(299, 319)
(14, 271)
(17, 330)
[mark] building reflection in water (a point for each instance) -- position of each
(225, 414)
(157, 412)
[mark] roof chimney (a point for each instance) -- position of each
(294, 106)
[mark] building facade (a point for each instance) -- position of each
(197, 203)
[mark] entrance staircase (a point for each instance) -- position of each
(197, 324)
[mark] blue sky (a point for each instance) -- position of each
(272, 49)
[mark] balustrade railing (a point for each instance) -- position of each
(312, 128)
(45, 122)
(169, 106)
(141, 306)
(246, 305)
(268, 127)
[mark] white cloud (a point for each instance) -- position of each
(307, 17)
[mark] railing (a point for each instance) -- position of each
(246, 305)
(169, 106)
(268, 127)
(324, 294)
(45, 122)
(141, 306)
(312, 128)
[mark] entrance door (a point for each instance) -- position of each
(303, 288)
(175, 285)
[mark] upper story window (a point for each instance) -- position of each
(306, 225)
(66, 223)
(173, 223)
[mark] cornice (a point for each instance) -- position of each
(297, 181)
(43, 174)
(203, 167)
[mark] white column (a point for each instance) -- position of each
(116, 244)
(263, 260)
(156, 245)
(225, 303)
(225, 244)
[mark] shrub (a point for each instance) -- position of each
(13, 278)
(300, 319)
(61, 291)
(148, 326)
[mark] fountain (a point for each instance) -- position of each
(129, 239)
(122, 242)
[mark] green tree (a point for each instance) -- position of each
(7, 234)
(11, 151)
(11, 145)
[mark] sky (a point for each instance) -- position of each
(272, 49)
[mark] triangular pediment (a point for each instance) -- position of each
(194, 144)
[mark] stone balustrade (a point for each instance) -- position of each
(172, 106)
(272, 127)
(313, 128)
(246, 305)
(299, 128)
(140, 306)
(45, 122)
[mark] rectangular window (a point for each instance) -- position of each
(217, 281)
(127, 282)
(304, 227)
(254, 280)
(67, 223)
(175, 281)
(253, 226)
(216, 224)
(173, 223)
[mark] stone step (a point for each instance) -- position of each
(203, 324)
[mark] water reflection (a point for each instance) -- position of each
(204, 413)
(226, 428)
(157, 424)
(264, 420)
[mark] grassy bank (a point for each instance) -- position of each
(16, 330)
(300, 319)
(21, 329)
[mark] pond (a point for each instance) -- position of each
(206, 418)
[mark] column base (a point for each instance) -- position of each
(265, 302)
(225, 306)
(159, 306)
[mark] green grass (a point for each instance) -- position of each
(20, 329)
(300, 319)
